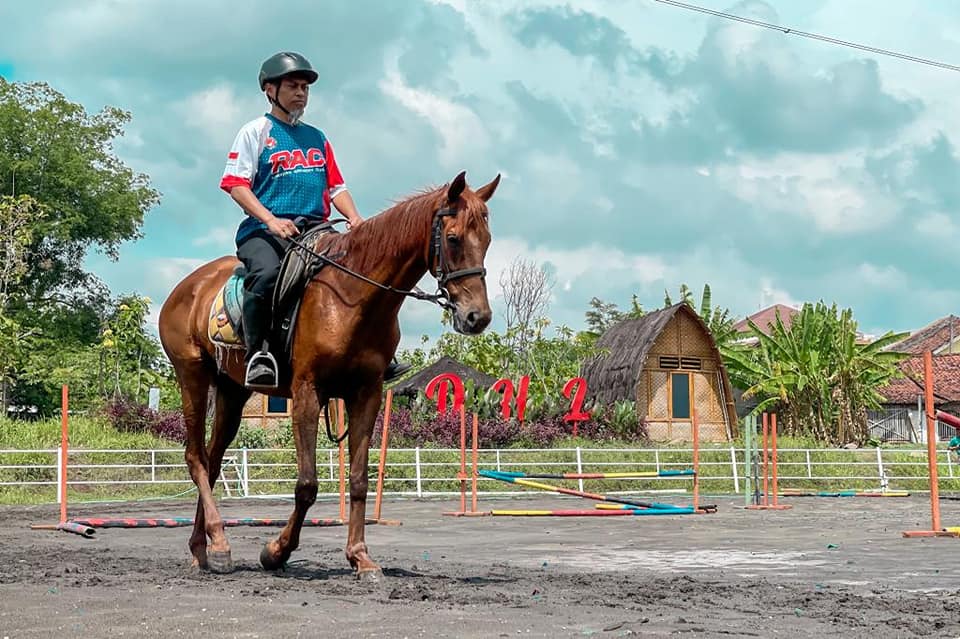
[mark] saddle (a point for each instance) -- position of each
(225, 326)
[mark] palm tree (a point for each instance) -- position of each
(817, 373)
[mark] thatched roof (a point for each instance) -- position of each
(614, 376)
(417, 383)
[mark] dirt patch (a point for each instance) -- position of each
(826, 568)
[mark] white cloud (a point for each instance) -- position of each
(883, 277)
(221, 237)
(218, 111)
(833, 191)
(169, 271)
(590, 263)
(937, 225)
(458, 126)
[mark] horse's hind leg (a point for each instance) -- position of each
(195, 380)
(306, 415)
(362, 409)
(230, 398)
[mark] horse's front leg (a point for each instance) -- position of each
(362, 409)
(306, 415)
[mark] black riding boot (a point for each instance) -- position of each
(261, 366)
(394, 370)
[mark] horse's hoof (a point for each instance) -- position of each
(219, 561)
(370, 576)
(268, 561)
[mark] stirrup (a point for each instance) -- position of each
(266, 360)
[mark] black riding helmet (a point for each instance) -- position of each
(285, 63)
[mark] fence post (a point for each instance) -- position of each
(882, 475)
(656, 458)
(244, 473)
(749, 428)
(153, 466)
(498, 460)
(579, 468)
(416, 463)
(809, 468)
(733, 468)
(59, 476)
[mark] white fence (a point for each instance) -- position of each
(425, 472)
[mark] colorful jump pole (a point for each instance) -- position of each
(462, 476)
(769, 467)
(626, 475)
(696, 460)
(492, 474)
(950, 420)
(64, 524)
(626, 512)
(179, 522)
(381, 464)
(935, 528)
(341, 459)
(64, 447)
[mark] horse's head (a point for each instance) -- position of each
(458, 246)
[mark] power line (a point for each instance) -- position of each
(814, 36)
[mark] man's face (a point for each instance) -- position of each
(293, 92)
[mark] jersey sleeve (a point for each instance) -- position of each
(242, 160)
(335, 183)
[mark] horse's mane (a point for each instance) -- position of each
(388, 235)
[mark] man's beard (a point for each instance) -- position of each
(295, 115)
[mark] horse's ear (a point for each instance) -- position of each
(486, 191)
(456, 187)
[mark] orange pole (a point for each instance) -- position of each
(766, 468)
(64, 447)
(473, 507)
(773, 442)
(463, 460)
(931, 440)
(383, 454)
(696, 461)
(343, 490)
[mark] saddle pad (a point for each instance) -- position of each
(224, 327)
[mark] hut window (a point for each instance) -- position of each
(669, 361)
(277, 405)
(691, 363)
(680, 396)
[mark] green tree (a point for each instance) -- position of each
(62, 157)
(602, 315)
(818, 374)
(18, 216)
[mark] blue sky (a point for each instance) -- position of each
(641, 145)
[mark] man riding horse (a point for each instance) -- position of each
(347, 312)
(283, 173)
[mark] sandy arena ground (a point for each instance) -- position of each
(827, 568)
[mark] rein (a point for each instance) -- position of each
(437, 265)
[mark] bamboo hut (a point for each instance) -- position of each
(668, 363)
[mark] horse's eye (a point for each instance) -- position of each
(453, 240)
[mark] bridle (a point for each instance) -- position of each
(436, 264)
(437, 259)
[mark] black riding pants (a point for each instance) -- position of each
(261, 253)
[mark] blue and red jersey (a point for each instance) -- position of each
(291, 170)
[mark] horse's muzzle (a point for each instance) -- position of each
(471, 322)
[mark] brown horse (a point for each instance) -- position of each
(347, 332)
